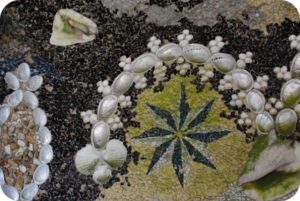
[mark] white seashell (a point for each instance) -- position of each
(295, 66)
(87, 159)
(39, 117)
(255, 101)
(144, 63)
(224, 63)
(2, 179)
(100, 134)
(34, 83)
(242, 79)
(290, 93)
(122, 83)
(11, 192)
(4, 113)
(45, 136)
(169, 52)
(41, 174)
(107, 106)
(115, 153)
(29, 192)
(15, 98)
(102, 174)
(31, 100)
(46, 154)
(23, 72)
(12, 81)
(265, 122)
(196, 53)
(286, 121)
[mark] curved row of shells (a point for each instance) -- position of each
(24, 85)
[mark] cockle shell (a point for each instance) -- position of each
(11, 192)
(45, 136)
(87, 159)
(144, 63)
(46, 154)
(295, 66)
(34, 83)
(41, 174)
(264, 122)
(196, 53)
(4, 113)
(224, 63)
(23, 72)
(31, 100)
(290, 93)
(115, 153)
(39, 117)
(15, 98)
(122, 83)
(29, 192)
(107, 106)
(255, 101)
(102, 174)
(12, 81)
(169, 52)
(286, 121)
(100, 134)
(2, 180)
(242, 79)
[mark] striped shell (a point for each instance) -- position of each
(169, 52)
(196, 53)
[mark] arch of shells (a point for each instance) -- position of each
(24, 137)
(274, 116)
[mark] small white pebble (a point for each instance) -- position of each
(22, 168)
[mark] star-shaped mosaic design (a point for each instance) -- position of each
(181, 137)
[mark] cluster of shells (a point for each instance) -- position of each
(24, 99)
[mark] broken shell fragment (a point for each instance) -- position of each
(169, 52)
(122, 83)
(196, 53)
(34, 83)
(4, 113)
(31, 100)
(144, 63)
(41, 174)
(29, 192)
(11, 192)
(12, 81)
(242, 79)
(255, 101)
(224, 63)
(115, 153)
(290, 93)
(23, 72)
(295, 66)
(70, 27)
(102, 174)
(15, 98)
(265, 122)
(100, 134)
(107, 106)
(39, 117)
(286, 122)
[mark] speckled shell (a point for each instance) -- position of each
(102, 174)
(45, 136)
(15, 98)
(34, 83)
(11, 192)
(255, 101)
(29, 192)
(100, 134)
(286, 121)
(224, 63)
(196, 53)
(265, 122)
(23, 72)
(122, 83)
(12, 81)
(144, 63)
(46, 154)
(4, 113)
(41, 174)
(107, 106)
(39, 117)
(242, 79)
(2, 180)
(115, 153)
(295, 66)
(169, 52)
(31, 100)
(290, 93)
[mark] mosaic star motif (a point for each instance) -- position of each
(180, 138)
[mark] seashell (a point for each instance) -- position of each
(122, 83)
(41, 174)
(31, 100)
(265, 122)
(12, 81)
(4, 113)
(34, 83)
(242, 79)
(100, 134)
(295, 66)
(2, 179)
(15, 98)
(39, 117)
(196, 53)
(286, 121)
(115, 153)
(255, 101)
(46, 154)
(23, 72)
(169, 52)
(45, 136)
(87, 159)
(224, 63)
(102, 174)
(29, 192)
(11, 192)
(107, 106)
(290, 93)
(144, 63)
